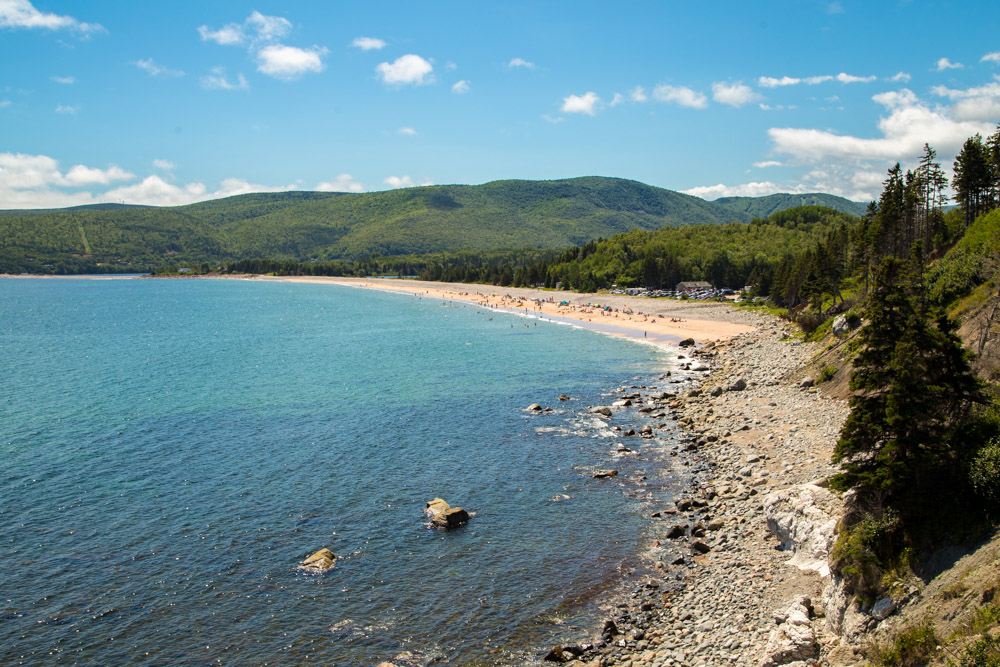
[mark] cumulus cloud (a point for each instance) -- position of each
(218, 80)
(35, 181)
(408, 69)
(767, 163)
(342, 183)
(900, 77)
(991, 57)
(166, 165)
(368, 43)
(586, 103)
(555, 120)
(773, 82)
(945, 64)
(395, 182)
(638, 94)
(64, 80)
(153, 69)
(67, 109)
(460, 87)
(681, 96)
(22, 14)
(733, 94)
(909, 124)
(289, 62)
(761, 189)
(616, 100)
(520, 62)
(256, 29)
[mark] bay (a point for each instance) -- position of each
(171, 449)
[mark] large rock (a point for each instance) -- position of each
(687, 342)
(450, 518)
(321, 561)
(444, 515)
(601, 410)
(804, 518)
(794, 640)
(601, 474)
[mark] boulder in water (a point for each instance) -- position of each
(321, 561)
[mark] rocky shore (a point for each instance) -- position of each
(742, 556)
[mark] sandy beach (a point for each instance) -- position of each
(662, 320)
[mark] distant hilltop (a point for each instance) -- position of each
(302, 226)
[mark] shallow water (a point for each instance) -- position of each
(170, 450)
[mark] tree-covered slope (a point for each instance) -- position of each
(327, 226)
(762, 207)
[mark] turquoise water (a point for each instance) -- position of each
(170, 450)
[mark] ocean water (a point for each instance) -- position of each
(170, 450)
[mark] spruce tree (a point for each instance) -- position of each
(912, 386)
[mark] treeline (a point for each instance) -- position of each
(732, 255)
(496, 267)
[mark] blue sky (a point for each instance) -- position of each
(168, 103)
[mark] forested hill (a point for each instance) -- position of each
(326, 226)
(762, 207)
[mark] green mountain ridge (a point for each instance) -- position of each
(302, 225)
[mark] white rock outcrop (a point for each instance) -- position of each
(804, 518)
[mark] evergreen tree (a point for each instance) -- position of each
(975, 179)
(912, 385)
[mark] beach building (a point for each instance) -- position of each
(693, 286)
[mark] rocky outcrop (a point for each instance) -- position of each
(804, 518)
(321, 561)
(444, 515)
(793, 641)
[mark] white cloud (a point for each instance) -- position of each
(991, 89)
(834, 8)
(368, 43)
(154, 69)
(289, 62)
(733, 94)
(767, 163)
(555, 120)
(406, 131)
(848, 78)
(256, 29)
(520, 62)
(395, 182)
(67, 109)
(64, 80)
(217, 80)
(977, 109)
(408, 69)
(616, 100)
(944, 64)
(22, 14)
(815, 80)
(991, 57)
(5, 103)
(80, 175)
(586, 103)
(772, 82)
(226, 35)
(342, 183)
(166, 165)
(638, 94)
(681, 96)
(900, 77)
(35, 181)
(460, 87)
(853, 166)
(761, 189)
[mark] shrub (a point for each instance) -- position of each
(984, 652)
(984, 473)
(913, 646)
(826, 374)
(863, 551)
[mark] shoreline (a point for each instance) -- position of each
(661, 321)
(720, 574)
